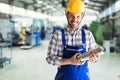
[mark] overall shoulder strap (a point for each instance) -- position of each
(63, 37)
(83, 36)
(64, 41)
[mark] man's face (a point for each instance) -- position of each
(74, 19)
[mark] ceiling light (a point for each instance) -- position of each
(39, 2)
(48, 6)
(86, 1)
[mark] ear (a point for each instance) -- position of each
(66, 13)
(83, 14)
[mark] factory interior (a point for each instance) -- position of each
(26, 27)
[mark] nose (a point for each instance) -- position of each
(74, 18)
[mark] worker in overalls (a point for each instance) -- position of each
(66, 44)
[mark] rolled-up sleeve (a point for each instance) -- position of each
(54, 55)
(92, 42)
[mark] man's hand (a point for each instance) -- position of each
(93, 56)
(74, 61)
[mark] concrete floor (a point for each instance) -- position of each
(31, 65)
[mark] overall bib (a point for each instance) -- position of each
(73, 72)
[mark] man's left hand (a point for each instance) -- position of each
(93, 56)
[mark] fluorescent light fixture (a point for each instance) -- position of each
(39, 2)
(5, 8)
(86, 1)
(48, 6)
(18, 11)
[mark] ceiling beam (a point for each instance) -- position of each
(99, 2)
(35, 8)
(25, 5)
(92, 8)
(94, 5)
(10, 2)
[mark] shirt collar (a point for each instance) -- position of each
(71, 31)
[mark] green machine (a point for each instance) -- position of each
(98, 29)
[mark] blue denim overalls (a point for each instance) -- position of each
(73, 72)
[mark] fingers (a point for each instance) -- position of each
(78, 62)
(74, 60)
(93, 56)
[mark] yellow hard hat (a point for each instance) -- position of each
(75, 6)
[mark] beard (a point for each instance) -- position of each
(74, 24)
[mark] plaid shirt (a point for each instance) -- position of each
(73, 38)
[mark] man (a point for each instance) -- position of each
(67, 44)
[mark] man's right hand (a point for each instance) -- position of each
(74, 61)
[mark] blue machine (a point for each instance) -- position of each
(4, 43)
(42, 32)
(37, 38)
